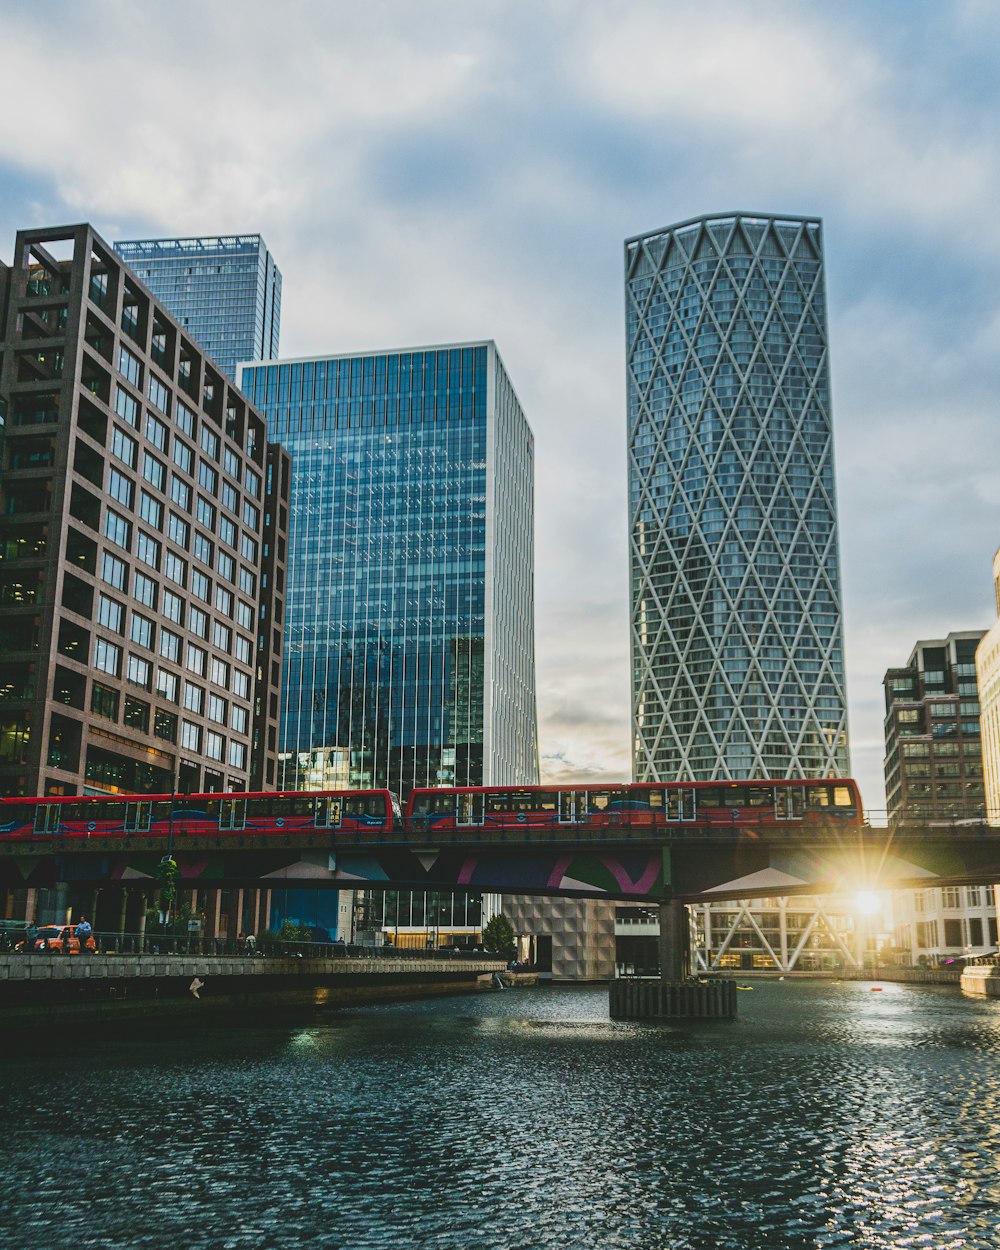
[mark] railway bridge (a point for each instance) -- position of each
(623, 861)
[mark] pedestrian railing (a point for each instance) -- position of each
(265, 947)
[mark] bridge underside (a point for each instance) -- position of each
(689, 870)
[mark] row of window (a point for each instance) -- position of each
(127, 407)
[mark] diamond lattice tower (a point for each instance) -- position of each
(736, 629)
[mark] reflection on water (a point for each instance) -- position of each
(826, 1116)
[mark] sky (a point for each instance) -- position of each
(461, 169)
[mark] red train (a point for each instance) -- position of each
(803, 804)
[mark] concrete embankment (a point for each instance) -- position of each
(982, 980)
(199, 984)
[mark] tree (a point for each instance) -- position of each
(498, 936)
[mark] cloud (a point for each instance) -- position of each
(446, 171)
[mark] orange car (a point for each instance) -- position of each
(54, 937)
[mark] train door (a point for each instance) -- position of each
(572, 807)
(46, 818)
(328, 812)
(232, 815)
(789, 802)
(138, 817)
(680, 805)
(469, 809)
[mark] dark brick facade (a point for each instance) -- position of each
(143, 521)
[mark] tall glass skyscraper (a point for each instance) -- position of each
(409, 645)
(225, 292)
(736, 630)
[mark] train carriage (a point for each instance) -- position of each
(199, 815)
(808, 804)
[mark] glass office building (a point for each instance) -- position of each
(225, 292)
(410, 608)
(736, 629)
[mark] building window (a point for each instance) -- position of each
(173, 607)
(237, 755)
(196, 659)
(130, 367)
(110, 614)
(120, 487)
(138, 672)
(104, 701)
(216, 709)
(170, 645)
(198, 621)
(175, 568)
(142, 630)
(144, 589)
(166, 685)
(107, 657)
(184, 419)
(165, 726)
(201, 587)
(136, 715)
(126, 407)
(209, 443)
(178, 530)
(214, 745)
(123, 447)
(203, 549)
(147, 549)
(183, 456)
(220, 673)
(190, 736)
(151, 510)
(158, 394)
(180, 492)
(154, 472)
(156, 432)
(194, 698)
(114, 571)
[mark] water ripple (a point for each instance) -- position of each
(825, 1117)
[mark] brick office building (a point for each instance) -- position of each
(143, 520)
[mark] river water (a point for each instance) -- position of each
(827, 1115)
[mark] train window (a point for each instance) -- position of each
(680, 804)
(818, 796)
(842, 796)
(712, 798)
(210, 810)
(82, 811)
(14, 814)
(598, 800)
(653, 799)
(299, 805)
(421, 805)
(759, 796)
(137, 817)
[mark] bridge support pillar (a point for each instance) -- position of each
(675, 941)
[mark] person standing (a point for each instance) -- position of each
(30, 938)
